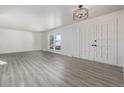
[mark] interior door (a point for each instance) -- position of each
(91, 41)
(106, 41)
(87, 41)
(98, 40)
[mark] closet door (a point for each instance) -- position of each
(98, 40)
(87, 37)
(106, 41)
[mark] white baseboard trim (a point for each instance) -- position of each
(20, 51)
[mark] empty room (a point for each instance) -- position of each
(61, 45)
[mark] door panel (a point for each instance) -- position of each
(87, 37)
(106, 41)
(91, 38)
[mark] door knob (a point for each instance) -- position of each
(94, 45)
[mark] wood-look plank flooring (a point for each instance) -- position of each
(44, 69)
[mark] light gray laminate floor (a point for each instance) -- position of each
(43, 69)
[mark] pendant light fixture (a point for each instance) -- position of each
(81, 13)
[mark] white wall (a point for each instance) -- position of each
(44, 41)
(19, 41)
(121, 38)
(71, 40)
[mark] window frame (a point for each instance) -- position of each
(54, 41)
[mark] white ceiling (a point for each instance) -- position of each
(45, 17)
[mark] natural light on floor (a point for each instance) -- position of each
(3, 62)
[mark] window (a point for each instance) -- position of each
(58, 41)
(55, 41)
(51, 41)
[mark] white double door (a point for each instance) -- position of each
(98, 40)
